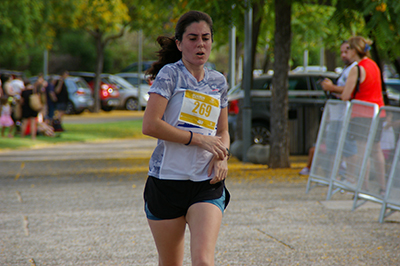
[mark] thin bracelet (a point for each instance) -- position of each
(190, 140)
(228, 153)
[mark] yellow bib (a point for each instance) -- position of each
(199, 109)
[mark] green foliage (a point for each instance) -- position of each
(380, 22)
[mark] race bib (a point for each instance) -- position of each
(199, 109)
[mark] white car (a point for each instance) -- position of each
(129, 93)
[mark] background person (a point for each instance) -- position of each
(61, 92)
(370, 90)
(14, 88)
(336, 115)
(28, 114)
(5, 119)
(349, 63)
(189, 165)
(51, 99)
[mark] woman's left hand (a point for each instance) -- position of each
(220, 168)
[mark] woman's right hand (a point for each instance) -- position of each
(326, 84)
(212, 144)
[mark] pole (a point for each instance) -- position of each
(247, 80)
(140, 68)
(232, 56)
(45, 63)
(305, 60)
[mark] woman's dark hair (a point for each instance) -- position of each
(169, 52)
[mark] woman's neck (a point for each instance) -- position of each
(195, 70)
(362, 58)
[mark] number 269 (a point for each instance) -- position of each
(202, 109)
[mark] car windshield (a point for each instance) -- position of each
(298, 84)
(81, 84)
(135, 80)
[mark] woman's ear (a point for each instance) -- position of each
(178, 45)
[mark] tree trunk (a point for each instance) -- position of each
(99, 69)
(279, 157)
(330, 59)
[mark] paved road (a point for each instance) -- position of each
(82, 204)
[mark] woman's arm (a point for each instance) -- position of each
(220, 165)
(223, 127)
(350, 85)
(154, 126)
(327, 85)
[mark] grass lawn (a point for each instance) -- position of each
(79, 133)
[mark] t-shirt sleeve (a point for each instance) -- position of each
(224, 93)
(164, 84)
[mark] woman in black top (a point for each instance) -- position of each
(28, 114)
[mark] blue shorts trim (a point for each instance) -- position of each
(220, 203)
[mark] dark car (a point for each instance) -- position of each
(109, 93)
(306, 102)
(134, 66)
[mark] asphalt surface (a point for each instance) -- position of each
(81, 204)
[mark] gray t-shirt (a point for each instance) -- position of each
(193, 106)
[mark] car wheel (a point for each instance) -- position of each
(131, 104)
(70, 109)
(260, 133)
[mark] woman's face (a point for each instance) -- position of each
(352, 54)
(196, 43)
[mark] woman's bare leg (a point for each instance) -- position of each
(204, 220)
(169, 236)
(33, 127)
(23, 126)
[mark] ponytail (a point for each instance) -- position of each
(168, 53)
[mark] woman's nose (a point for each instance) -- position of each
(200, 43)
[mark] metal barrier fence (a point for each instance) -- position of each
(330, 141)
(390, 144)
(356, 151)
(358, 137)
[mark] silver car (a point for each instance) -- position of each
(80, 95)
(128, 92)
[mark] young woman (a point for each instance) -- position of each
(369, 90)
(187, 113)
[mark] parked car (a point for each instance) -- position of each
(127, 84)
(306, 101)
(147, 64)
(109, 93)
(80, 95)
(134, 66)
(393, 91)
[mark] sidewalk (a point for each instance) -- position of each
(82, 205)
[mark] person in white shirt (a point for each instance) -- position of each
(336, 114)
(187, 113)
